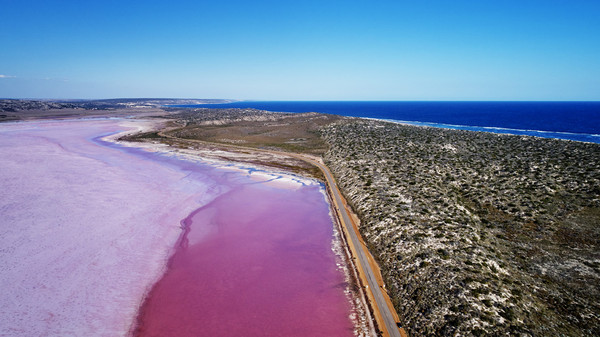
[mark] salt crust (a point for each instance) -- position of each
(86, 229)
(77, 214)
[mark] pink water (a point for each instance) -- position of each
(87, 227)
(256, 261)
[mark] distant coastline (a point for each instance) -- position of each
(578, 121)
(580, 137)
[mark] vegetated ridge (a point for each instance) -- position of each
(476, 233)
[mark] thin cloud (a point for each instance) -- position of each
(51, 79)
(36, 78)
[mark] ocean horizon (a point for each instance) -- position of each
(572, 120)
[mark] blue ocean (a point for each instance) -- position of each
(578, 121)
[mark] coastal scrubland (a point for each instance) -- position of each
(476, 233)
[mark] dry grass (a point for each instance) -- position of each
(257, 129)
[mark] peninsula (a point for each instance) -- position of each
(475, 233)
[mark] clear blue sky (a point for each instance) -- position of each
(301, 50)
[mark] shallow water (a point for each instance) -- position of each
(88, 227)
(257, 261)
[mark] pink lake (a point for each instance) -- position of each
(99, 239)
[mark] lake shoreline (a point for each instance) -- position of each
(363, 324)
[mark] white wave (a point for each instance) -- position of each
(495, 129)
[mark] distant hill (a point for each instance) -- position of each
(13, 105)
